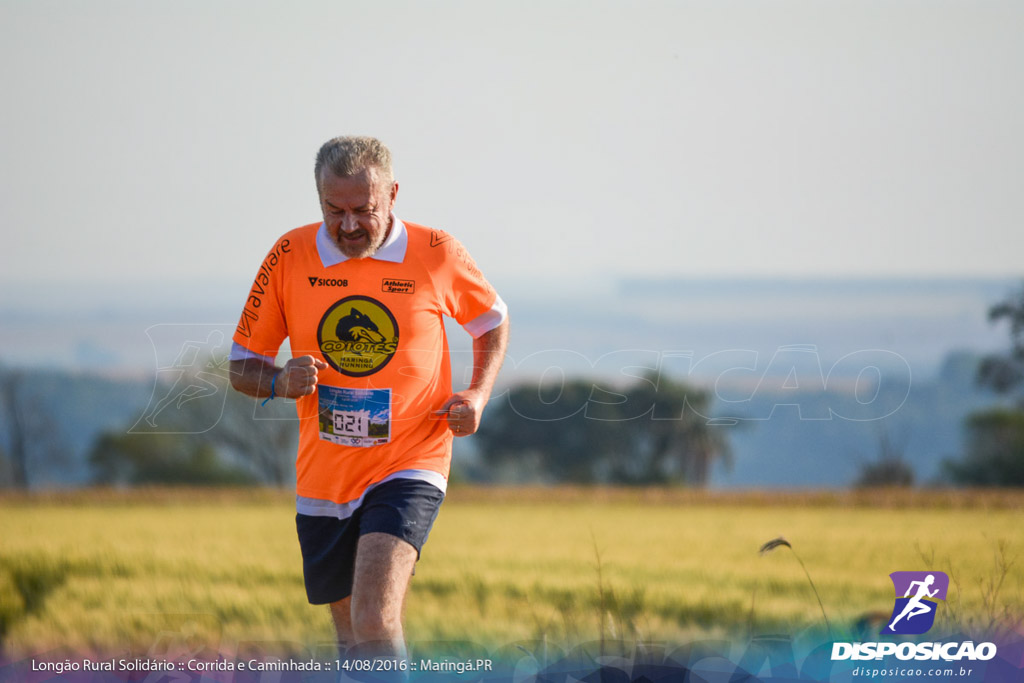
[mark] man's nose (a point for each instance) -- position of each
(349, 223)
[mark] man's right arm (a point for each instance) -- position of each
(255, 377)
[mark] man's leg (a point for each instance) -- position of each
(341, 611)
(384, 565)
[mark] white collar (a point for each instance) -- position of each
(392, 250)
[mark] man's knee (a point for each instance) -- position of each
(384, 563)
(383, 568)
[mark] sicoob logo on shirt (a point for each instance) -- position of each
(358, 336)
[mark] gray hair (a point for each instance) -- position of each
(349, 155)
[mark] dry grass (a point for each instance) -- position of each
(111, 570)
(894, 498)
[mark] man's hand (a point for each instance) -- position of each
(464, 410)
(298, 377)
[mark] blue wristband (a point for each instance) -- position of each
(273, 382)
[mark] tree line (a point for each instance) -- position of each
(995, 437)
(652, 430)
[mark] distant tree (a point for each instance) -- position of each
(888, 469)
(995, 450)
(32, 442)
(675, 442)
(130, 459)
(651, 432)
(17, 422)
(995, 437)
(1005, 371)
(201, 405)
(267, 444)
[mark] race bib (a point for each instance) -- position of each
(354, 417)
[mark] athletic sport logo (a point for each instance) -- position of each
(392, 286)
(358, 336)
(917, 594)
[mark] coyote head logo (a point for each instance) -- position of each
(356, 326)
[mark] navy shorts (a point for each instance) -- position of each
(405, 508)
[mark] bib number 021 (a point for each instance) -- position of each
(354, 417)
(351, 423)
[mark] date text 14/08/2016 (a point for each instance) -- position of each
(448, 666)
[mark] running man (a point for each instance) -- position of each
(361, 295)
(916, 605)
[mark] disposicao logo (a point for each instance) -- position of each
(917, 594)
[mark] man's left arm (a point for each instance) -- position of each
(465, 408)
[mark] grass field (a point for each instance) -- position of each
(108, 572)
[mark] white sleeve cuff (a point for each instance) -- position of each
(485, 322)
(239, 352)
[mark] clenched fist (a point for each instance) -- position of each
(298, 377)
(463, 411)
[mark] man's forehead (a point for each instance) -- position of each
(363, 181)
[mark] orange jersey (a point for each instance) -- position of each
(378, 324)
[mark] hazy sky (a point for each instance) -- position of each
(163, 141)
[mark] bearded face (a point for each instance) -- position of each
(357, 210)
